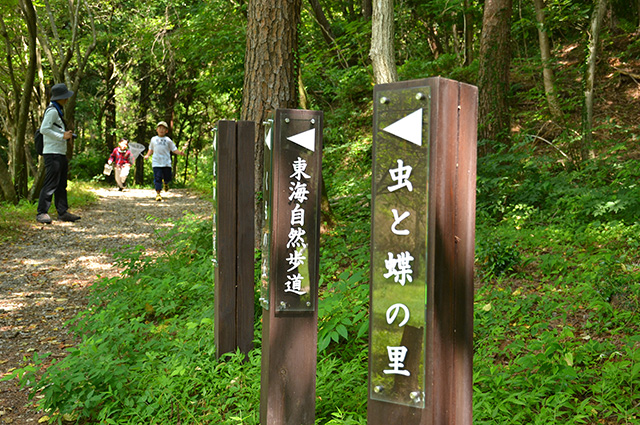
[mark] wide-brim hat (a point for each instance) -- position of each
(60, 91)
(162, 123)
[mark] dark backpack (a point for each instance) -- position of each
(39, 142)
(38, 138)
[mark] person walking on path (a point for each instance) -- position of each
(55, 136)
(122, 158)
(161, 147)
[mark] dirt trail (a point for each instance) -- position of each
(45, 276)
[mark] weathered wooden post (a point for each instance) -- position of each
(234, 235)
(423, 232)
(290, 252)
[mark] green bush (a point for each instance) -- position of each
(87, 165)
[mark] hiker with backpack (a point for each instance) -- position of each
(54, 152)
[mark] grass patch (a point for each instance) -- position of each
(15, 220)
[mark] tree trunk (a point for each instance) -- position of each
(367, 9)
(270, 79)
(19, 161)
(110, 107)
(327, 34)
(382, 52)
(321, 18)
(38, 181)
(589, 77)
(545, 55)
(493, 72)
(468, 33)
(144, 101)
(8, 190)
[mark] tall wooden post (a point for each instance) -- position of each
(423, 233)
(289, 293)
(234, 236)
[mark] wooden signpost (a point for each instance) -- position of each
(289, 281)
(234, 235)
(423, 232)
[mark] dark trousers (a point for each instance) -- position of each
(160, 174)
(55, 184)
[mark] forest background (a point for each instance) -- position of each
(557, 261)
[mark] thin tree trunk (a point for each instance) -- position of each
(468, 33)
(19, 160)
(493, 72)
(144, 101)
(110, 107)
(38, 181)
(8, 190)
(589, 77)
(321, 18)
(367, 9)
(547, 71)
(382, 52)
(325, 29)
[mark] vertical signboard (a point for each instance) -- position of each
(400, 187)
(233, 234)
(226, 239)
(292, 199)
(214, 259)
(423, 221)
(290, 240)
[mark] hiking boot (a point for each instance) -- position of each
(158, 197)
(165, 187)
(67, 216)
(43, 218)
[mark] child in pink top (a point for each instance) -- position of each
(121, 156)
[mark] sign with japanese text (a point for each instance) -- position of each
(400, 187)
(292, 198)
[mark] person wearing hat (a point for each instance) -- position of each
(55, 136)
(161, 147)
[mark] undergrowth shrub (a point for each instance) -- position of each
(147, 341)
(87, 164)
(343, 315)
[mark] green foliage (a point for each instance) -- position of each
(87, 164)
(150, 330)
(13, 219)
(342, 389)
(343, 315)
(557, 299)
(603, 189)
(496, 258)
(557, 341)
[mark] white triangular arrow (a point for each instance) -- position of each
(267, 139)
(306, 139)
(408, 128)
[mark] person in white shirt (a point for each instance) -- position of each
(161, 147)
(55, 137)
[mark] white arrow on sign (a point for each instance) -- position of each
(306, 139)
(267, 139)
(408, 128)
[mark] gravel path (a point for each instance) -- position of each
(44, 277)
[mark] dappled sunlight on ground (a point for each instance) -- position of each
(44, 277)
